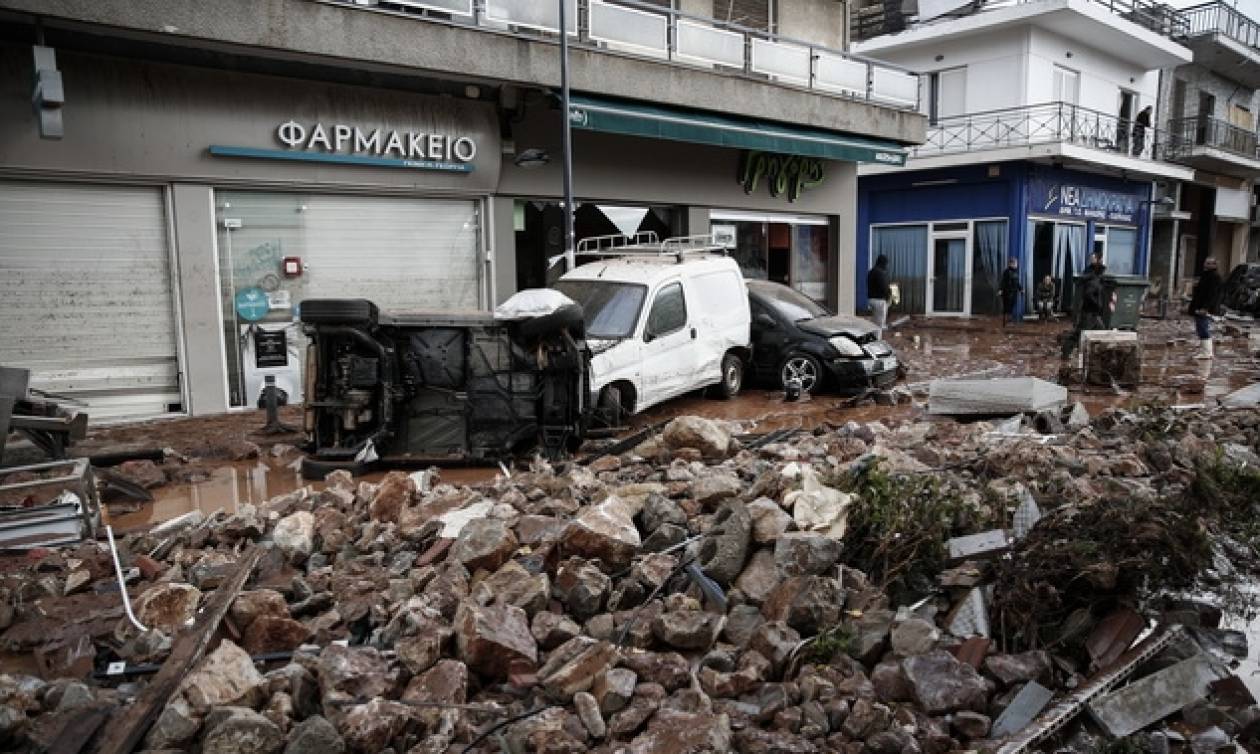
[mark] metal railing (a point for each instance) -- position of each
(644, 29)
(1153, 16)
(1187, 133)
(1051, 123)
(1218, 18)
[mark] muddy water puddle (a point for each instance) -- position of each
(766, 411)
(232, 485)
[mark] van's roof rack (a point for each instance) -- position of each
(648, 244)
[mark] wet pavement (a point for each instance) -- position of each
(929, 348)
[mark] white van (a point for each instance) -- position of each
(662, 319)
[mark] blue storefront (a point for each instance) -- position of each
(948, 233)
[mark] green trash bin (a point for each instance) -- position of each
(1128, 291)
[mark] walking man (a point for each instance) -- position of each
(1203, 303)
(878, 290)
(1011, 288)
(1090, 316)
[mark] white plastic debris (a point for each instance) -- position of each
(531, 302)
(453, 522)
(817, 507)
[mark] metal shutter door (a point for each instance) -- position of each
(400, 253)
(85, 281)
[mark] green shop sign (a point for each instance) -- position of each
(784, 174)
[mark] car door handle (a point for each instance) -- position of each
(693, 333)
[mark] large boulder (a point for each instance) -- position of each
(575, 665)
(806, 603)
(713, 488)
(702, 434)
(168, 607)
(686, 629)
(315, 735)
(942, 684)
(581, 587)
(349, 673)
(805, 553)
(225, 676)
(724, 550)
(392, 495)
(238, 730)
(295, 535)
(604, 531)
(769, 520)
(251, 605)
(491, 638)
(484, 544)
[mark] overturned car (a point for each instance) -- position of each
(408, 388)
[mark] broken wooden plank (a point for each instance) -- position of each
(1002, 396)
(124, 733)
(1153, 698)
(973, 651)
(1112, 636)
(79, 729)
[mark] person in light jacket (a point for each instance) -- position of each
(1045, 299)
(878, 291)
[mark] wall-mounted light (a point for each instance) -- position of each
(532, 158)
(472, 91)
(1067, 54)
(939, 58)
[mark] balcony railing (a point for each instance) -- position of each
(646, 30)
(1218, 18)
(1154, 16)
(1187, 133)
(1051, 123)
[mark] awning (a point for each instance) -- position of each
(675, 124)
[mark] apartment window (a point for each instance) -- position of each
(1179, 98)
(947, 94)
(1066, 85)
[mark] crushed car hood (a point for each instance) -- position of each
(837, 324)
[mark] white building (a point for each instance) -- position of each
(1038, 145)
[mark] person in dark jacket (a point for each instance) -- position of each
(878, 291)
(1010, 289)
(1203, 304)
(1140, 125)
(1093, 304)
(1045, 299)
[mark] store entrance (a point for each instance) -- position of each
(540, 233)
(790, 249)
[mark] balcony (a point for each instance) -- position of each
(1056, 132)
(1141, 32)
(1225, 41)
(1214, 145)
(647, 30)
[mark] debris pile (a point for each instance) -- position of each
(921, 587)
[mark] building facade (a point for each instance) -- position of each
(1208, 111)
(1040, 148)
(215, 169)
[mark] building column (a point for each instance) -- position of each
(843, 234)
(201, 321)
(1238, 247)
(696, 221)
(501, 227)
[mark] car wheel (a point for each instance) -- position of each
(611, 411)
(732, 377)
(801, 367)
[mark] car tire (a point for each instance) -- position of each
(803, 366)
(567, 317)
(732, 377)
(610, 408)
(316, 469)
(339, 311)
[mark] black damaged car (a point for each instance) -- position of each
(794, 338)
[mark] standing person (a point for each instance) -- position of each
(1010, 290)
(1140, 125)
(1045, 299)
(1090, 315)
(878, 291)
(1203, 303)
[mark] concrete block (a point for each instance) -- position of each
(1022, 710)
(1243, 397)
(1111, 356)
(994, 397)
(986, 544)
(1155, 697)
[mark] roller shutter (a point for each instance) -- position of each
(86, 286)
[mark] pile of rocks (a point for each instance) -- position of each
(688, 596)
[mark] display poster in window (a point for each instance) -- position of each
(271, 348)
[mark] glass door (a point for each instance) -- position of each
(949, 283)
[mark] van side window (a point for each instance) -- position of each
(669, 311)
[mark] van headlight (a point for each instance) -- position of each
(846, 347)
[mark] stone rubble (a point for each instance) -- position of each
(406, 619)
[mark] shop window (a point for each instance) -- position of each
(1121, 256)
(669, 311)
(539, 227)
(1058, 250)
(906, 249)
(987, 263)
(400, 253)
(788, 249)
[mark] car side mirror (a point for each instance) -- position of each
(766, 320)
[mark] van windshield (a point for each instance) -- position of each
(611, 309)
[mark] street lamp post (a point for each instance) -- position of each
(567, 148)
